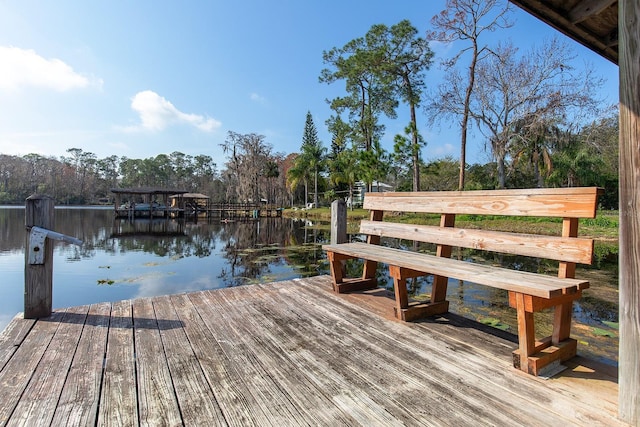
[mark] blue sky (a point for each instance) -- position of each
(141, 78)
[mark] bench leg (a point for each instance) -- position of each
(409, 312)
(526, 335)
(533, 356)
(562, 322)
(337, 268)
(439, 288)
(400, 291)
(369, 270)
(341, 284)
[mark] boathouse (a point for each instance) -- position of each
(190, 203)
(146, 202)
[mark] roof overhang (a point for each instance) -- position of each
(147, 190)
(593, 23)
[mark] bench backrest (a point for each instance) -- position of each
(567, 203)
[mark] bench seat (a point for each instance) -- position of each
(533, 284)
(528, 292)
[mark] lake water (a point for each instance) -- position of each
(123, 259)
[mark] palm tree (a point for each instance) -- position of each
(315, 159)
(535, 140)
(299, 174)
(346, 170)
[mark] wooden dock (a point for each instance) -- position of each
(242, 210)
(286, 353)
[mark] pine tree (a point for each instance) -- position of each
(312, 153)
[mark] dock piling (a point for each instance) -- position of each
(38, 278)
(338, 222)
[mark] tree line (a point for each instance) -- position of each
(538, 114)
(587, 156)
(254, 172)
(82, 178)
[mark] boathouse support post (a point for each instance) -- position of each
(38, 278)
(629, 286)
(338, 222)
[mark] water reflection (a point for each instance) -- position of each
(249, 246)
(123, 259)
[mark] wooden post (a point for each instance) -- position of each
(38, 278)
(564, 312)
(440, 283)
(629, 356)
(338, 222)
(370, 267)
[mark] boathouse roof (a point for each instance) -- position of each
(147, 190)
(190, 196)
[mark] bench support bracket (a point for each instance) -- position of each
(341, 284)
(533, 356)
(406, 311)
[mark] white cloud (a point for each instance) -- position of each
(156, 113)
(24, 67)
(257, 98)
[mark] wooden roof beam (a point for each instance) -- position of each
(611, 39)
(588, 8)
(560, 20)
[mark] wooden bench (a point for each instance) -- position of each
(528, 292)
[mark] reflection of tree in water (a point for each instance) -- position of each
(243, 245)
(163, 237)
(98, 230)
(11, 238)
(304, 251)
(253, 248)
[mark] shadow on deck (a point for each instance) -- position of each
(286, 353)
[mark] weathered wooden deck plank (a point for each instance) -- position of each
(118, 396)
(289, 353)
(321, 364)
(336, 362)
(262, 335)
(381, 302)
(275, 402)
(197, 403)
(497, 378)
(40, 398)
(78, 404)
(157, 403)
(16, 374)
(229, 386)
(494, 369)
(12, 337)
(396, 371)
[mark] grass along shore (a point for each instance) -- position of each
(602, 228)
